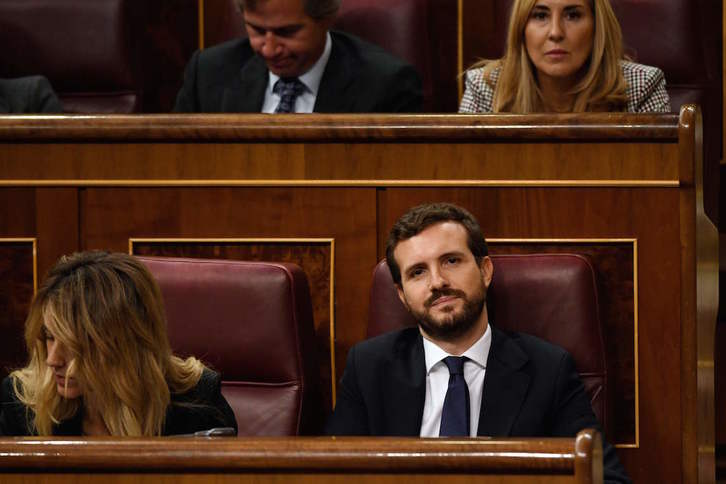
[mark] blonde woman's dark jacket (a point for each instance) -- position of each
(201, 408)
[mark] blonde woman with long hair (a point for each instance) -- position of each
(100, 362)
(563, 56)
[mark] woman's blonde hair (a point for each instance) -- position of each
(601, 88)
(107, 312)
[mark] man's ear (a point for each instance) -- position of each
(328, 21)
(487, 270)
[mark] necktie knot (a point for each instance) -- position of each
(288, 89)
(455, 364)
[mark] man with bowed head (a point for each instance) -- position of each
(457, 374)
(292, 62)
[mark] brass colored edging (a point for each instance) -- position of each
(338, 183)
(273, 240)
(200, 23)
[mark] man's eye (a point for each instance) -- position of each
(452, 260)
(415, 273)
(286, 32)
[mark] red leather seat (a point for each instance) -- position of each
(552, 296)
(400, 27)
(252, 322)
(84, 47)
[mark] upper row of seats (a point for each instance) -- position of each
(128, 56)
(94, 59)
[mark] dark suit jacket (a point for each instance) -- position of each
(201, 408)
(531, 389)
(28, 95)
(359, 78)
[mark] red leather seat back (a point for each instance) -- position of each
(399, 26)
(552, 296)
(252, 322)
(84, 47)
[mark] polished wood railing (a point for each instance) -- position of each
(298, 459)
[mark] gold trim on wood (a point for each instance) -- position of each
(634, 242)
(270, 240)
(34, 242)
(200, 23)
(636, 332)
(559, 241)
(339, 183)
(227, 240)
(333, 382)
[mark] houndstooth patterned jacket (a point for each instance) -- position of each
(646, 90)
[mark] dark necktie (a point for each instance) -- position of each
(455, 414)
(288, 89)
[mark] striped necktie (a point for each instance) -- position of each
(288, 89)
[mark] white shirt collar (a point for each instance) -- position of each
(478, 352)
(311, 79)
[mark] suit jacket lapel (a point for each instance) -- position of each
(339, 74)
(505, 386)
(405, 389)
(248, 94)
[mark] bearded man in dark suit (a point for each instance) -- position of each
(456, 374)
(291, 52)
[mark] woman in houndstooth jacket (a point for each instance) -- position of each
(563, 56)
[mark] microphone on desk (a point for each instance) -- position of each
(214, 432)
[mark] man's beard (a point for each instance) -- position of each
(452, 326)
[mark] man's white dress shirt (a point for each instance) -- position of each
(305, 102)
(437, 382)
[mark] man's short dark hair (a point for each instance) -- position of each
(315, 9)
(419, 218)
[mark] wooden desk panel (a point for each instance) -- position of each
(320, 164)
(324, 149)
(571, 177)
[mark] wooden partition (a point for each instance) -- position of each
(323, 191)
(306, 460)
